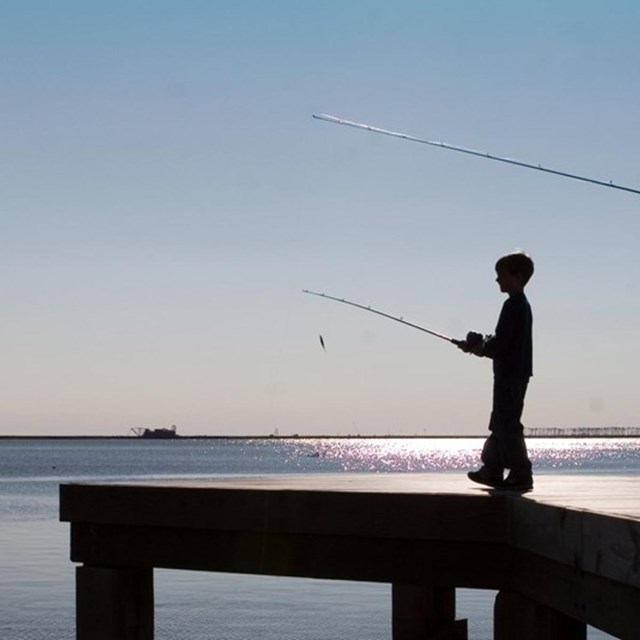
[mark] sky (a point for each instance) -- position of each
(165, 196)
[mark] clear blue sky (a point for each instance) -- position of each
(165, 196)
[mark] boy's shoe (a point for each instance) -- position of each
(482, 476)
(518, 484)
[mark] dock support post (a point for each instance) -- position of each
(518, 617)
(114, 603)
(426, 613)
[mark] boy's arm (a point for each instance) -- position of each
(496, 344)
(501, 342)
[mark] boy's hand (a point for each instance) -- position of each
(472, 344)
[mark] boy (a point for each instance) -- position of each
(510, 348)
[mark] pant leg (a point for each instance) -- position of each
(491, 457)
(506, 445)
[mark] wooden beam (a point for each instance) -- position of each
(444, 517)
(114, 604)
(611, 606)
(468, 564)
(425, 612)
(601, 544)
(524, 619)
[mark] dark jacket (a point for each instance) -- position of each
(510, 346)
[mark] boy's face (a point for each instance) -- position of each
(509, 283)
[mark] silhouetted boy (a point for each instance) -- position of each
(510, 348)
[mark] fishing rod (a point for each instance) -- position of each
(482, 154)
(384, 315)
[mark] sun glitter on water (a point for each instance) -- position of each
(450, 454)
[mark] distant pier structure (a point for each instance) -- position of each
(562, 557)
(583, 432)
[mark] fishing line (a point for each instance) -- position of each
(473, 152)
(384, 315)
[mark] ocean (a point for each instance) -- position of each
(37, 588)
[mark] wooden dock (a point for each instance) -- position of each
(561, 557)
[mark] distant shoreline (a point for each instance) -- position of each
(606, 433)
(241, 437)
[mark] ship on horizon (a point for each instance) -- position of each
(162, 433)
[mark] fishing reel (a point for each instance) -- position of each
(474, 340)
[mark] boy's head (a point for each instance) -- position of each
(516, 269)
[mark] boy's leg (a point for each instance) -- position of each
(492, 471)
(491, 456)
(508, 431)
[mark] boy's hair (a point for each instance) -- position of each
(517, 263)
